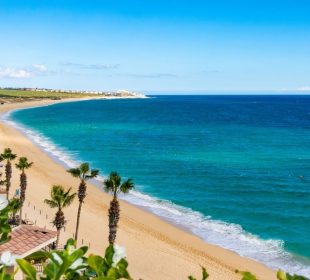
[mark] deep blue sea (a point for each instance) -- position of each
(234, 170)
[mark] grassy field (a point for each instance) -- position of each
(8, 93)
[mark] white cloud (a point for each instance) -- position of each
(305, 88)
(8, 72)
(40, 67)
(23, 73)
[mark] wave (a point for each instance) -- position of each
(230, 236)
(226, 235)
(58, 153)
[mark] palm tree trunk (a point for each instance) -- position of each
(23, 186)
(113, 219)
(8, 175)
(81, 196)
(57, 239)
(20, 215)
(78, 221)
(59, 223)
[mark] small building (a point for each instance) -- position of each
(26, 239)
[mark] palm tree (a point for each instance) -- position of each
(84, 173)
(2, 182)
(23, 165)
(8, 156)
(60, 198)
(114, 185)
(15, 206)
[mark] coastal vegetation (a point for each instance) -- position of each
(84, 173)
(16, 205)
(115, 186)
(70, 262)
(32, 94)
(8, 156)
(60, 199)
(23, 165)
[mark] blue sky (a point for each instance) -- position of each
(156, 45)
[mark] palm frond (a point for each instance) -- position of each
(23, 164)
(51, 203)
(127, 186)
(7, 155)
(84, 167)
(75, 172)
(15, 204)
(60, 198)
(93, 174)
(68, 198)
(115, 178)
(108, 185)
(114, 184)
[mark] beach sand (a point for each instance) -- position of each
(155, 249)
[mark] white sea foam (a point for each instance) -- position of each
(57, 152)
(227, 235)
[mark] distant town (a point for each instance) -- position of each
(120, 93)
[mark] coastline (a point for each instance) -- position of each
(151, 247)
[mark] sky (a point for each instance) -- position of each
(163, 45)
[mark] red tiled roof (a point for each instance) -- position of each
(27, 239)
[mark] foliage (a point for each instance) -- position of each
(205, 275)
(114, 184)
(8, 156)
(15, 204)
(5, 228)
(61, 264)
(246, 275)
(6, 207)
(105, 268)
(4, 275)
(84, 173)
(6, 93)
(71, 263)
(281, 275)
(23, 164)
(60, 198)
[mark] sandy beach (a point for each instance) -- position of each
(155, 249)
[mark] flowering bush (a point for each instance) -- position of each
(71, 264)
(112, 266)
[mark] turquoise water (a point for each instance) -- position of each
(235, 170)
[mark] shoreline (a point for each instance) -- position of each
(142, 233)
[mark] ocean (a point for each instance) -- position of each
(234, 170)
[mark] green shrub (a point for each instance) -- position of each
(71, 264)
